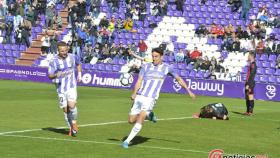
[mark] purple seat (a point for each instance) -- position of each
(272, 57)
(264, 57)
(116, 68)
(206, 74)
(182, 66)
(122, 62)
(175, 66)
(15, 47)
(184, 73)
(8, 53)
(16, 54)
(273, 64)
(257, 78)
(189, 67)
(260, 71)
(94, 67)
(86, 66)
(22, 47)
(10, 61)
(277, 72)
(7, 47)
(3, 60)
(192, 74)
(272, 79)
(100, 67)
(200, 74)
(171, 58)
(265, 64)
(108, 67)
(269, 71)
(264, 78)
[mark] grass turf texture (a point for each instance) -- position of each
(26, 105)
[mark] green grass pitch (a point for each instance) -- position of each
(32, 110)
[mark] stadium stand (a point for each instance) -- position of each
(221, 37)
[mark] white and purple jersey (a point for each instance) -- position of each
(67, 67)
(153, 78)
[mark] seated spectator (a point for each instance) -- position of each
(195, 54)
(236, 45)
(201, 31)
(229, 31)
(113, 50)
(104, 22)
(260, 47)
(128, 24)
(278, 63)
(227, 76)
(111, 26)
(135, 13)
(119, 24)
(179, 56)
(205, 64)
(235, 5)
(216, 31)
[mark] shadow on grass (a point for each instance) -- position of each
(141, 139)
(56, 130)
(238, 113)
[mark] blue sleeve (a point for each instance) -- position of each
(172, 71)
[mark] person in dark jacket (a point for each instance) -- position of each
(250, 84)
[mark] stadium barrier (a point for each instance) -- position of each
(216, 88)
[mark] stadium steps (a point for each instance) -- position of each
(30, 55)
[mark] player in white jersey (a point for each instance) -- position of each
(146, 92)
(62, 72)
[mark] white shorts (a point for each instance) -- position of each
(70, 95)
(142, 103)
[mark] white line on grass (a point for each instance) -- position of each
(92, 124)
(106, 143)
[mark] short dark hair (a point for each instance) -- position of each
(158, 50)
(62, 44)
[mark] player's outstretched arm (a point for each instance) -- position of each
(136, 87)
(79, 69)
(184, 85)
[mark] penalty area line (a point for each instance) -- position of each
(106, 143)
(88, 125)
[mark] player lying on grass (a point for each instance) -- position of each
(213, 111)
(62, 72)
(146, 92)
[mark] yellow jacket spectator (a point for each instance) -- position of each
(111, 27)
(128, 24)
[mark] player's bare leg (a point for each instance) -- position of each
(73, 113)
(132, 119)
(136, 128)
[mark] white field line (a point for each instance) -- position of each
(92, 124)
(107, 143)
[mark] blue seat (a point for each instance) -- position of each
(3, 60)
(264, 78)
(260, 71)
(184, 73)
(108, 67)
(116, 68)
(272, 57)
(269, 71)
(272, 79)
